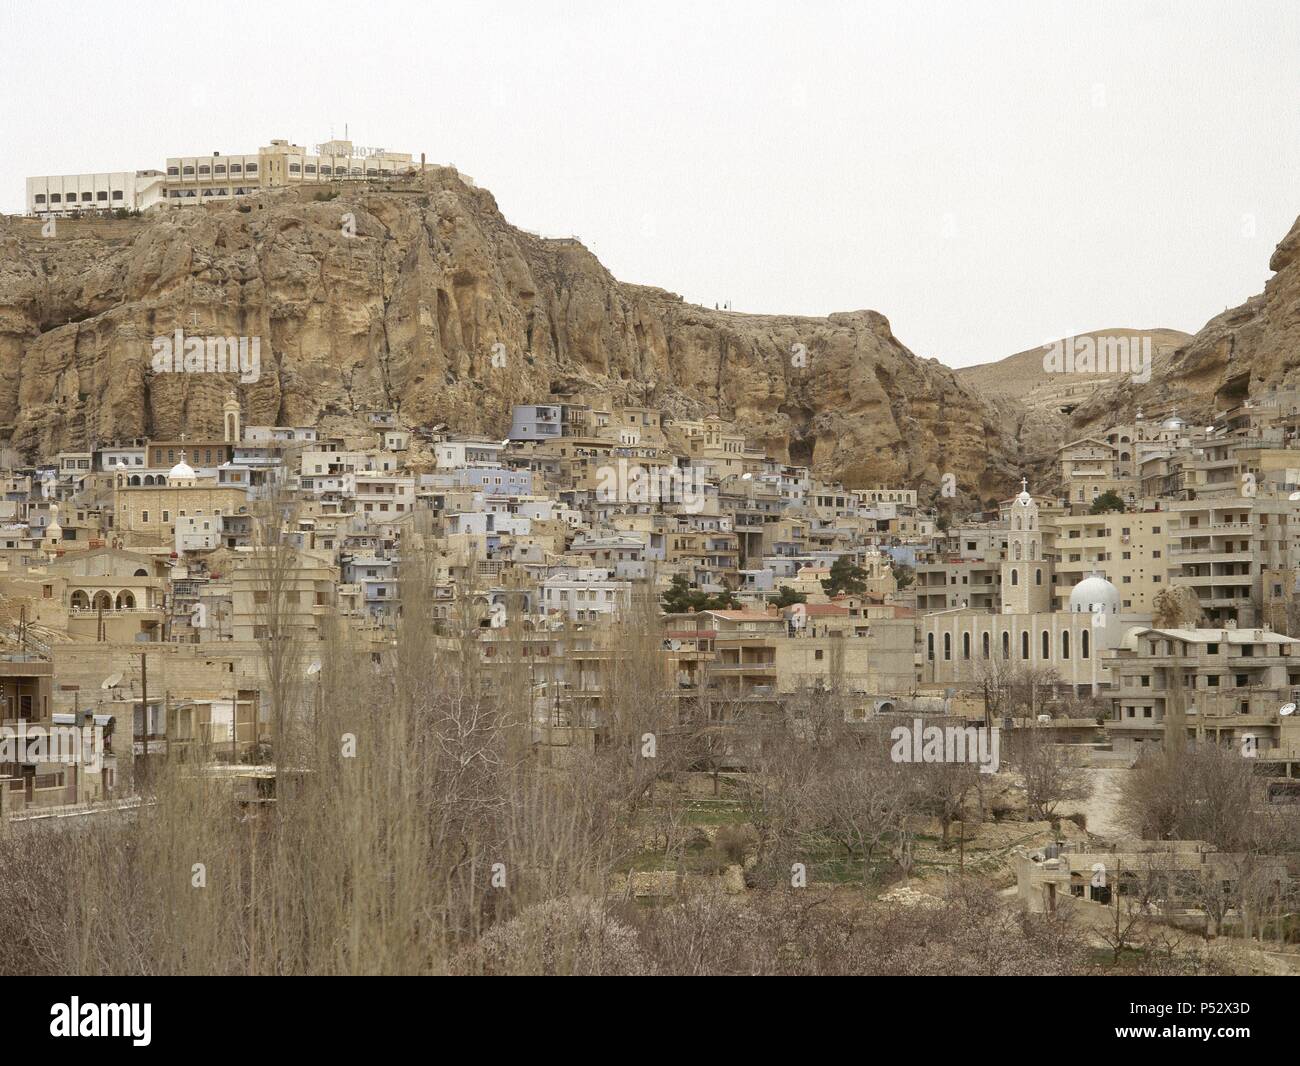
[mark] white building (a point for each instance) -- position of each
(61, 195)
(584, 595)
(198, 533)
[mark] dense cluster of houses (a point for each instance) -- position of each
(133, 590)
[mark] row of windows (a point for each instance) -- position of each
(1085, 648)
(86, 198)
(177, 194)
(220, 169)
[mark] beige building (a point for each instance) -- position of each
(1130, 550)
(216, 176)
(1231, 685)
(146, 515)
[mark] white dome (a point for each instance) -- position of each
(1173, 423)
(182, 471)
(1094, 595)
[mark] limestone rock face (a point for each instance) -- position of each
(1240, 353)
(420, 296)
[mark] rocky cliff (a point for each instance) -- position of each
(1243, 352)
(420, 295)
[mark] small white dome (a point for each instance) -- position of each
(182, 471)
(1094, 595)
(1173, 423)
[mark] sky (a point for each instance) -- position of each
(987, 175)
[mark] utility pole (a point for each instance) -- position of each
(144, 700)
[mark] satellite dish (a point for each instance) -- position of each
(112, 681)
(313, 669)
(1294, 496)
(1287, 708)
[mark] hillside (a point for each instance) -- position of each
(1242, 352)
(407, 312)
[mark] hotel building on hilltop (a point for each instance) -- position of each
(193, 179)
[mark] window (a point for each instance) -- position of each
(965, 646)
(929, 647)
(85, 197)
(817, 655)
(205, 169)
(1065, 644)
(187, 170)
(1083, 645)
(117, 194)
(1024, 644)
(54, 198)
(947, 646)
(251, 168)
(220, 168)
(236, 168)
(101, 195)
(173, 172)
(40, 198)
(1047, 645)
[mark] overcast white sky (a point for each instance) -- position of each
(987, 175)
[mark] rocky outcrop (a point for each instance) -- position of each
(1243, 352)
(420, 296)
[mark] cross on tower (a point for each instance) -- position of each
(1024, 484)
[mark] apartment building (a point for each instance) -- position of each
(64, 195)
(1132, 551)
(1230, 684)
(1222, 546)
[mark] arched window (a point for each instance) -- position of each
(1047, 645)
(1038, 577)
(1024, 644)
(929, 647)
(947, 646)
(125, 601)
(1083, 644)
(1015, 550)
(1006, 645)
(1065, 644)
(1033, 550)
(103, 600)
(1015, 577)
(986, 645)
(80, 601)
(965, 645)
(141, 573)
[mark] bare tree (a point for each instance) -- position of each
(1052, 772)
